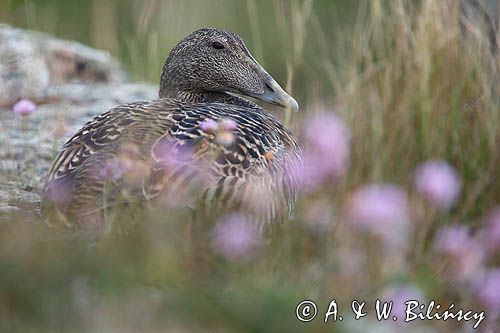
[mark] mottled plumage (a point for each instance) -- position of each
(163, 142)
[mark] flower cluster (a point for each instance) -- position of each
(24, 107)
(326, 149)
(235, 238)
(223, 130)
(438, 182)
(381, 210)
(464, 253)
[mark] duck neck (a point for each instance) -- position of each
(192, 96)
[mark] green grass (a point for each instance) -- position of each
(411, 83)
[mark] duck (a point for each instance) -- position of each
(202, 130)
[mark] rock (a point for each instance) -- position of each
(50, 72)
(31, 62)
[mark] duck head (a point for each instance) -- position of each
(213, 60)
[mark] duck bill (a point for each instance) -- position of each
(273, 93)
(276, 95)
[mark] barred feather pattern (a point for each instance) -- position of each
(159, 150)
(256, 172)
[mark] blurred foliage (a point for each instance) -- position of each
(279, 33)
(413, 81)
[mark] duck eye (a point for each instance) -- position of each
(217, 45)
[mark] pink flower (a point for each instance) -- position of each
(209, 126)
(381, 209)
(228, 124)
(464, 253)
(234, 238)
(58, 192)
(24, 107)
(327, 148)
(451, 239)
(222, 129)
(438, 182)
(225, 138)
(168, 154)
(399, 295)
(127, 165)
(111, 170)
(490, 234)
(489, 290)
(176, 170)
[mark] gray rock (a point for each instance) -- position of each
(45, 70)
(31, 62)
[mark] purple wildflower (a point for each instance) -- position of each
(223, 130)
(381, 209)
(490, 234)
(225, 134)
(58, 193)
(24, 107)
(327, 149)
(399, 295)
(112, 170)
(489, 290)
(234, 238)
(464, 252)
(168, 154)
(438, 182)
(225, 138)
(209, 126)
(127, 165)
(228, 124)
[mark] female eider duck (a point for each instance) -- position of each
(198, 131)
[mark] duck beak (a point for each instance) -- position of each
(273, 93)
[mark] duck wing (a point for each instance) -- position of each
(167, 139)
